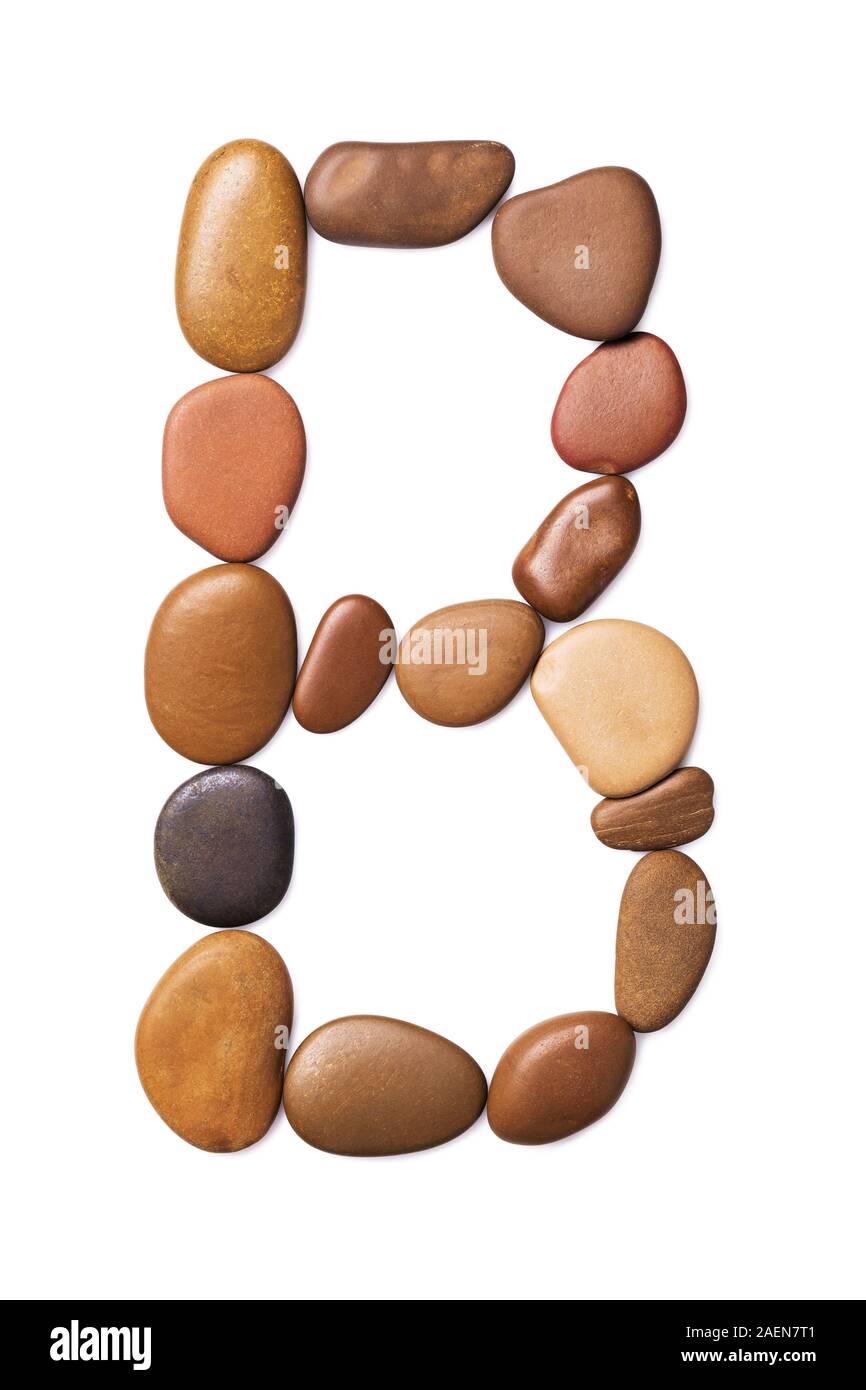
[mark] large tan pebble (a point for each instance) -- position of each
(622, 699)
(211, 1041)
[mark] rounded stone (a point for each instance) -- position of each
(347, 664)
(242, 258)
(665, 937)
(233, 459)
(622, 699)
(423, 194)
(211, 1040)
(369, 1086)
(560, 1076)
(622, 406)
(224, 846)
(220, 663)
(463, 664)
(583, 253)
(579, 548)
(673, 812)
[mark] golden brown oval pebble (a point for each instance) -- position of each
(425, 194)
(579, 548)
(559, 1076)
(462, 664)
(622, 406)
(220, 663)
(370, 1086)
(622, 699)
(211, 1041)
(583, 253)
(242, 258)
(673, 812)
(347, 663)
(233, 457)
(667, 927)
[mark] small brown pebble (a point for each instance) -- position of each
(667, 928)
(347, 664)
(242, 258)
(428, 194)
(219, 668)
(560, 1076)
(369, 1086)
(233, 459)
(583, 253)
(211, 1041)
(622, 406)
(578, 549)
(673, 812)
(463, 664)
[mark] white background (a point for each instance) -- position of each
(445, 876)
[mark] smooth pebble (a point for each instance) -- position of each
(224, 846)
(463, 664)
(673, 812)
(560, 1076)
(233, 459)
(211, 1041)
(622, 699)
(665, 937)
(427, 194)
(579, 548)
(242, 258)
(369, 1086)
(621, 407)
(583, 253)
(346, 665)
(219, 668)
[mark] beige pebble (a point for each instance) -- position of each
(622, 699)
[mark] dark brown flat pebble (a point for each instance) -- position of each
(671, 813)
(583, 253)
(665, 937)
(369, 1086)
(559, 1076)
(224, 846)
(428, 194)
(622, 406)
(578, 549)
(348, 662)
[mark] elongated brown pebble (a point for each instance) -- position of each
(665, 937)
(242, 258)
(583, 253)
(673, 812)
(461, 665)
(578, 549)
(368, 1086)
(424, 194)
(219, 668)
(211, 1041)
(559, 1076)
(347, 663)
(622, 406)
